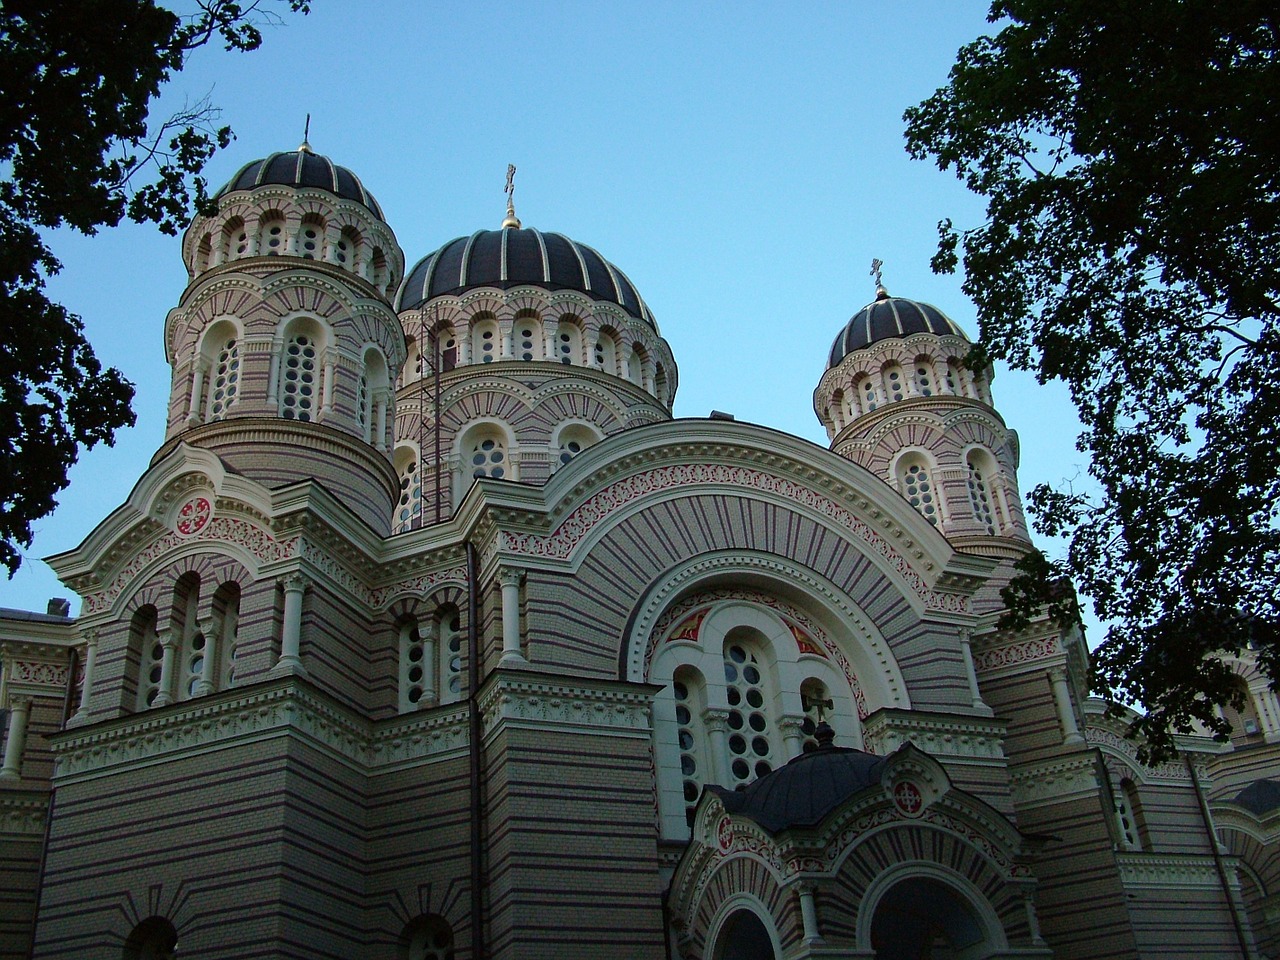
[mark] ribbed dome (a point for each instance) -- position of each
(805, 790)
(887, 317)
(513, 257)
(302, 168)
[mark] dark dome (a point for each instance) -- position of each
(302, 168)
(887, 317)
(805, 790)
(1259, 797)
(513, 257)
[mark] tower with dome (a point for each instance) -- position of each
(428, 632)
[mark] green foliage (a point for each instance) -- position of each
(75, 140)
(1127, 153)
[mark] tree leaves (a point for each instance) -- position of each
(1132, 250)
(76, 149)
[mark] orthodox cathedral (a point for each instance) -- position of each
(429, 633)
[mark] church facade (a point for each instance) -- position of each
(429, 633)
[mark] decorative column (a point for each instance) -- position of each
(167, 644)
(90, 657)
(430, 664)
(15, 743)
(809, 913)
(1062, 700)
(715, 720)
(197, 388)
(792, 735)
(295, 585)
(510, 581)
(966, 648)
(549, 330)
(205, 685)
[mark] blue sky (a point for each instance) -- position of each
(742, 163)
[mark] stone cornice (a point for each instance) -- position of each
(1152, 871)
(585, 705)
(22, 813)
(952, 738)
(1055, 781)
(279, 708)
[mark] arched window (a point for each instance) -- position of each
(752, 726)
(311, 238)
(145, 644)
(980, 494)
(446, 347)
(449, 634)
(188, 639)
(226, 630)
(418, 670)
(660, 386)
(570, 440)
(215, 382)
(1125, 798)
(380, 272)
(895, 385)
(955, 378)
(348, 247)
(153, 939)
(204, 253)
(426, 938)
(224, 378)
(605, 354)
(870, 396)
(835, 411)
(924, 377)
(691, 700)
(569, 340)
(485, 340)
(485, 453)
(373, 397)
(235, 240)
(409, 506)
(915, 480)
(635, 365)
(526, 338)
(1244, 720)
(273, 238)
(300, 363)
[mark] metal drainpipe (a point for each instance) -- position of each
(1217, 858)
(473, 716)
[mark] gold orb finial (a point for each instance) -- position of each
(511, 219)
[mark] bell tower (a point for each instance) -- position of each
(285, 347)
(898, 399)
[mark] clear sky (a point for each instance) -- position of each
(742, 162)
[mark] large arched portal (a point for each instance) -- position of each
(744, 937)
(920, 918)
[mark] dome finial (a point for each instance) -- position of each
(511, 219)
(305, 146)
(881, 292)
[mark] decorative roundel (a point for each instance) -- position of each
(908, 798)
(194, 516)
(724, 834)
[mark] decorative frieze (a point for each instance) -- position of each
(281, 709)
(39, 673)
(22, 814)
(959, 739)
(1018, 656)
(1153, 871)
(1170, 772)
(1060, 781)
(512, 701)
